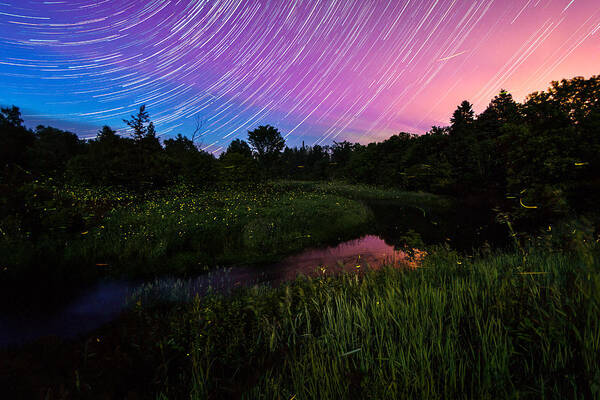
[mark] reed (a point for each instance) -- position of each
(483, 327)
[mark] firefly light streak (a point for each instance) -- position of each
(319, 70)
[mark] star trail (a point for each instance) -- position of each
(358, 70)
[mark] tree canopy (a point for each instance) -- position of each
(544, 153)
(266, 141)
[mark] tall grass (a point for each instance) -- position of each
(488, 327)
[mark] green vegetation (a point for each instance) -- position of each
(523, 322)
(369, 192)
(537, 160)
(175, 231)
(43, 218)
(498, 326)
(187, 231)
(485, 328)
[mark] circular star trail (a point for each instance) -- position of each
(357, 70)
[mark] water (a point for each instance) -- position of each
(99, 305)
(396, 228)
(106, 300)
(462, 228)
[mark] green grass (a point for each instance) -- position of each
(369, 193)
(181, 231)
(495, 326)
(523, 324)
(489, 327)
(77, 234)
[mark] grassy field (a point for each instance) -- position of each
(189, 232)
(76, 232)
(498, 326)
(179, 231)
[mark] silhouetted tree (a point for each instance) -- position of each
(240, 147)
(180, 146)
(11, 117)
(267, 143)
(546, 149)
(53, 149)
(107, 160)
(363, 163)
(15, 139)
(192, 165)
(237, 167)
(150, 163)
(107, 134)
(340, 152)
(138, 123)
(236, 164)
(305, 162)
(462, 119)
(502, 109)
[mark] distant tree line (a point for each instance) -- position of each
(542, 154)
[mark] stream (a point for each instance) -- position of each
(396, 227)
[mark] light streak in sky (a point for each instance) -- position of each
(319, 70)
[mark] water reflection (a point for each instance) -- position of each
(106, 300)
(369, 251)
(395, 227)
(462, 228)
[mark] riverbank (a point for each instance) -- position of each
(190, 232)
(104, 301)
(72, 236)
(501, 325)
(84, 235)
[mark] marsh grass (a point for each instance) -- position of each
(171, 290)
(482, 327)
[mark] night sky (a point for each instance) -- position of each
(359, 70)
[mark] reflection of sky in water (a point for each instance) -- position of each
(369, 251)
(106, 300)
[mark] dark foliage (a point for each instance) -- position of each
(538, 160)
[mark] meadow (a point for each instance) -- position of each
(455, 327)
(83, 234)
(189, 232)
(365, 192)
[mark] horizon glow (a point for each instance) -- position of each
(319, 71)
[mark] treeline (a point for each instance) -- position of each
(542, 154)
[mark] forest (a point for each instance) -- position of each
(541, 153)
